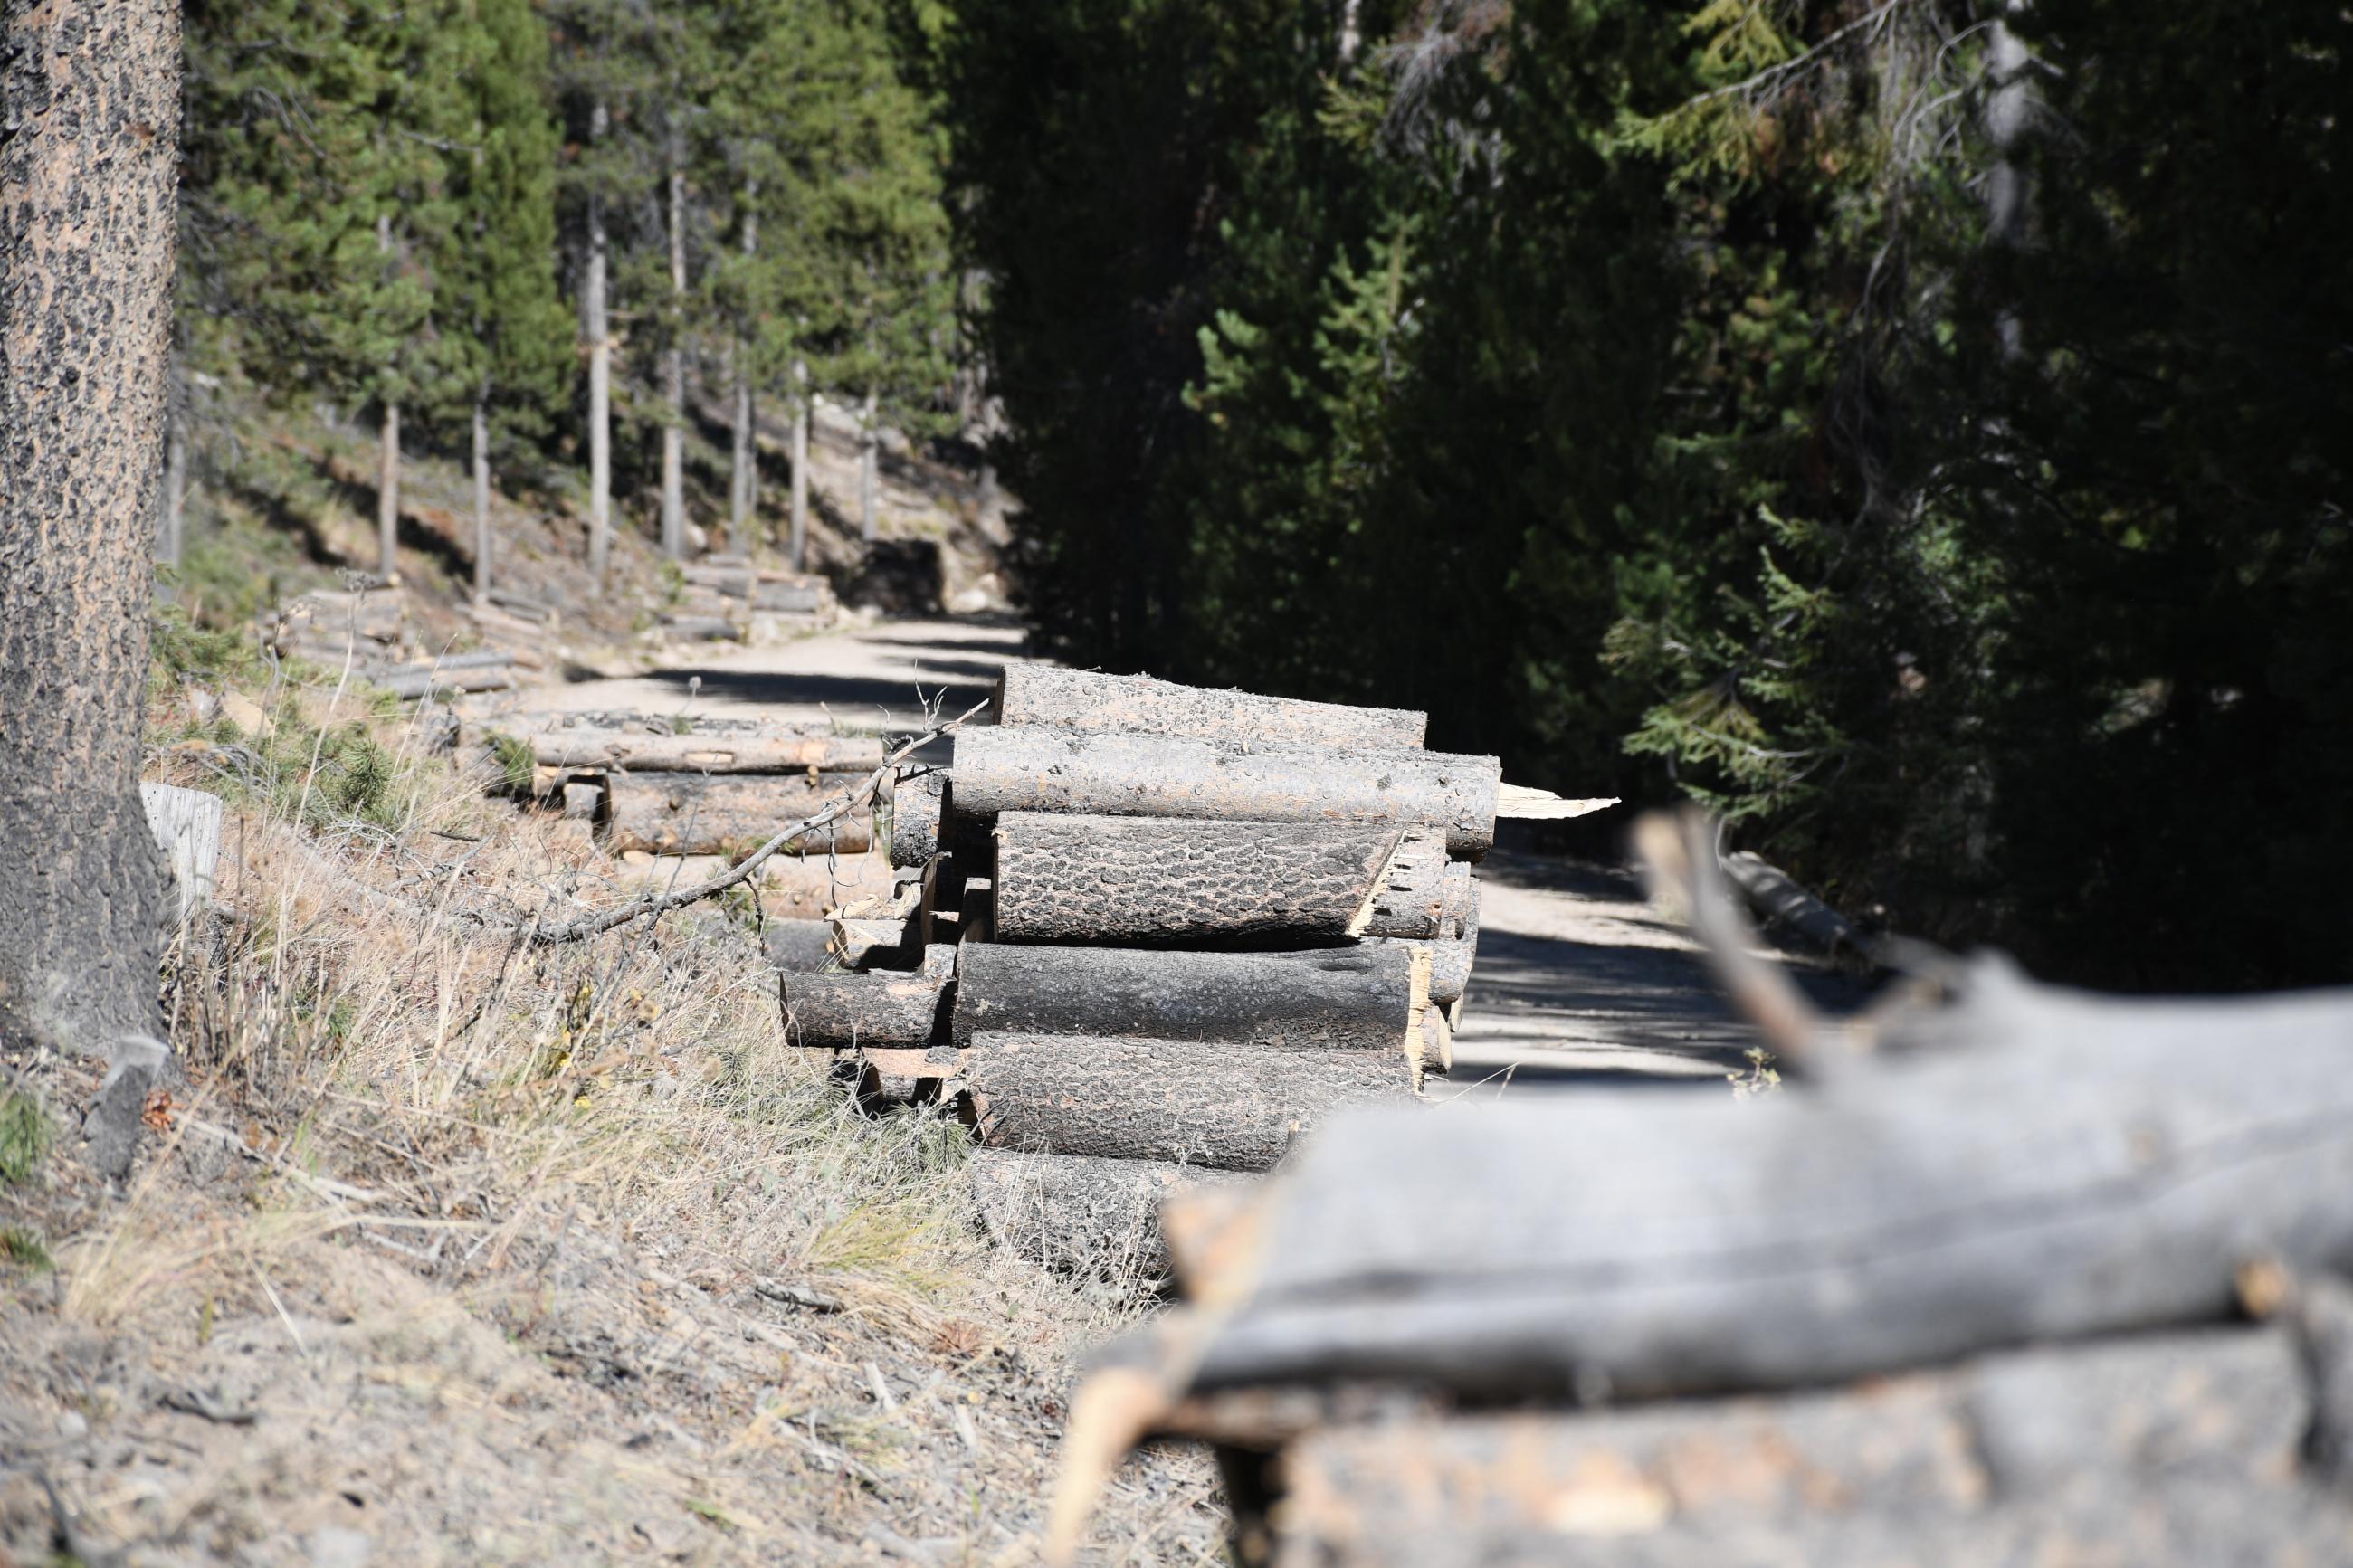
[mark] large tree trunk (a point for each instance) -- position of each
(694, 814)
(673, 444)
(482, 495)
(1232, 1105)
(870, 447)
(1002, 768)
(1098, 1217)
(1360, 998)
(88, 172)
(800, 463)
(2009, 107)
(1091, 702)
(743, 455)
(598, 330)
(1153, 881)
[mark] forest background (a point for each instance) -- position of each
(1917, 429)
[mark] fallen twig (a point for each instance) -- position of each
(651, 905)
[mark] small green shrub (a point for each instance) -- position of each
(25, 1136)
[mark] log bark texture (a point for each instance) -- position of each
(1090, 702)
(1231, 1105)
(879, 1009)
(2005, 1459)
(1359, 998)
(2029, 1163)
(1169, 882)
(695, 813)
(1422, 893)
(88, 169)
(1451, 959)
(1095, 1217)
(696, 752)
(917, 804)
(1005, 769)
(797, 945)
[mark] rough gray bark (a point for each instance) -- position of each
(1093, 702)
(776, 751)
(482, 495)
(1015, 768)
(1232, 1105)
(2029, 1163)
(1359, 998)
(699, 814)
(878, 1009)
(88, 166)
(1779, 902)
(673, 368)
(799, 945)
(597, 328)
(1089, 1216)
(2005, 1459)
(916, 809)
(1166, 883)
(1451, 959)
(388, 495)
(1422, 893)
(800, 464)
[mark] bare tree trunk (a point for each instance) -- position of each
(599, 332)
(800, 463)
(387, 480)
(743, 463)
(673, 445)
(87, 175)
(482, 494)
(868, 460)
(2008, 109)
(171, 536)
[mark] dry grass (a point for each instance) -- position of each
(481, 1224)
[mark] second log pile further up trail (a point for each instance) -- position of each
(1148, 932)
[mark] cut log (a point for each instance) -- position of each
(1000, 769)
(1164, 882)
(871, 944)
(1437, 1042)
(799, 946)
(1099, 1218)
(701, 628)
(458, 672)
(843, 1010)
(1086, 700)
(1422, 893)
(698, 752)
(2029, 1163)
(917, 807)
(789, 885)
(1232, 1105)
(1781, 904)
(1362, 998)
(1451, 959)
(697, 814)
(1914, 1470)
(1521, 802)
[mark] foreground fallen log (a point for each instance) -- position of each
(2031, 1162)
(882, 1008)
(917, 806)
(799, 945)
(1360, 998)
(1232, 1105)
(697, 814)
(1020, 769)
(2171, 1448)
(700, 753)
(1090, 1216)
(1087, 700)
(1157, 882)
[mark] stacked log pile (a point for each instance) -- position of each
(662, 792)
(2040, 1277)
(367, 631)
(1152, 931)
(729, 599)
